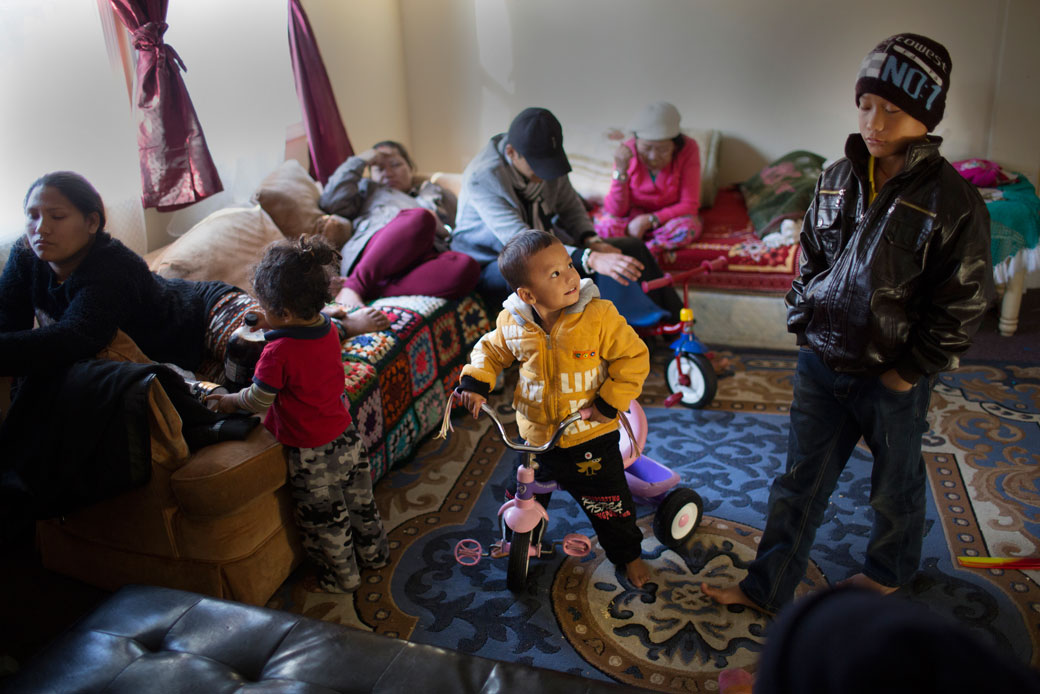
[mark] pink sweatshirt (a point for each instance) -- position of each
(676, 192)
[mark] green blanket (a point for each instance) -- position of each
(782, 190)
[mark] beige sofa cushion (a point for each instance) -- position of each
(290, 196)
(226, 246)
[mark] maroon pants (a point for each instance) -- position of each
(400, 260)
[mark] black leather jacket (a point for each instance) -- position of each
(902, 283)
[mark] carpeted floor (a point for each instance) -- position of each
(578, 615)
(984, 462)
(1022, 347)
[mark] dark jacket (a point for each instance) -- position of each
(902, 283)
(112, 288)
(77, 434)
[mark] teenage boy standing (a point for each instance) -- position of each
(894, 280)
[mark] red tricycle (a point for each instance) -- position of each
(690, 375)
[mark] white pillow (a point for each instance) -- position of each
(591, 153)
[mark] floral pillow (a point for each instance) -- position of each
(782, 190)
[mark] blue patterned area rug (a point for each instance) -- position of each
(580, 616)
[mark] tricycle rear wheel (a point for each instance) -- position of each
(678, 517)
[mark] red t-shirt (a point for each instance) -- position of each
(305, 368)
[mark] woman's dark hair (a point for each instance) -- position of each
(512, 260)
(679, 140)
(295, 276)
(77, 189)
(400, 150)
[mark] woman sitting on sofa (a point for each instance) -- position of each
(655, 194)
(81, 286)
(399, 245)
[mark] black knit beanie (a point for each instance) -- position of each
(911, 71)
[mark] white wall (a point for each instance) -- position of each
(361, 44)
(773, 76)
(1015, 138)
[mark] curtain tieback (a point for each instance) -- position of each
(148, 37)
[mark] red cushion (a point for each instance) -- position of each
(727, 230)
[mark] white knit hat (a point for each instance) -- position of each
(658, 121)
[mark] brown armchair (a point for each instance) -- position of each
(218, 521)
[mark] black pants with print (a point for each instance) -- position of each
(594, 474)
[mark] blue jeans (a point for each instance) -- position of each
(829, 414)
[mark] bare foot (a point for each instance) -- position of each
(862, 581)
(637, 572)
(365, 320)
(733, 595)
(349, 298)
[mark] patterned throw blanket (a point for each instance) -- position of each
(753, 265)
(397, 379)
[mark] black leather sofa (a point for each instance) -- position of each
(146, 639)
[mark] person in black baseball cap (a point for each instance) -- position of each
(535, 142)
(519, 182)
(894, 279)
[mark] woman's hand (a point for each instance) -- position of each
(622, 155)
(640, 225)
(614, 264)
(373, 157)
(893, 381)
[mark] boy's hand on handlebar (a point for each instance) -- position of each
(471, 401)
(594, 415)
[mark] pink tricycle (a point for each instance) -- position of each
(678, 508)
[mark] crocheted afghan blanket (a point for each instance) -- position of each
(397, 380)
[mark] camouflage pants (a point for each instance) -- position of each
(335, 510)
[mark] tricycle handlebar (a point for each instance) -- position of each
(567, 421)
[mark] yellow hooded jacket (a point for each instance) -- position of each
(590, 351)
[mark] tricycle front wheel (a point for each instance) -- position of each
(702, 384)
(519, 560)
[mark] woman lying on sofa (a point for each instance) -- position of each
(399, 242)
(82, 285)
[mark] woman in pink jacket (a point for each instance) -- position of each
(655, 193)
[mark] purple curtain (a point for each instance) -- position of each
(176, 168)
(326, 136)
